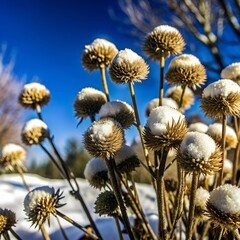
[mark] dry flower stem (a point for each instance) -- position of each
(236, 163)
(6, 236)
(182, 95)
(236, 234)
(118, 195)
(68, 219)
(205, 230)
(220, 233)
(19, 170)
(44, 233)
(104, 81)
(192, 200)
(118, 227)
(62, 229)
(15, 234)
(162, 63)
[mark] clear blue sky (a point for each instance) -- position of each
(47, 38)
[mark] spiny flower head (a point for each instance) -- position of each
(34, 132)
(186, 70)
(221, 98)
(198, 127)
(40, 203)
(99, 53)
(7, 220)
(163, 41)
(120, 111)
(199, 152)
(88, 102)
(12, 156)
(34, 94)
(96, 173)
(232, 72)
(202, 196)
(127, 67)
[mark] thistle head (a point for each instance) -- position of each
(232, 72)
(198, 127)
(7, 220)
(202, 196)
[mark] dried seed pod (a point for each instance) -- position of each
(232, 72)
(7, 220)
(202, 196)
(198, 127)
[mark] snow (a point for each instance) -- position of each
(226, 199)
(165, 28)
(198, 127)
(202, 196)
(184, 60)
(222, 87)
(161, 117)
(123, 154)
(102, 130)
(232, 71)
(13, 194)
(216, 129)
(126, 55)
(99, 42)
(33, 123)
(35, 85)
(88, 92)
(198, 145)
(10, 148)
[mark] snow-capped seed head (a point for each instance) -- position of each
(104, 138)
(34, 132)
(126, 159)
(119, 111)
(99, 53)
(96, 173)
(155, 103)
(198, 152)
(33, 95)
(176, 92)
(12, 157)
(106, 204)
(215, 131)
(127, 67)
(186, 70)
(88, 102)
(163, 41)
(223, 206)
(40, 203)
(221, 98)
(198, 127)
(202, 196)
(165, 128)
(227, 169)
(232, 72)
(7, 220)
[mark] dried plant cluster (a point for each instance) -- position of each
(196, 186)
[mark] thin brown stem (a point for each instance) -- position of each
(162, 63)
(118, 227)
(205, 230)
(62, 229)
(236, 163)
(6, 236)
(38, 110)
(104, 81)
(19, 170)
(44, 233)
(236, 234)
(15, 234)
(182, 96)
(219, 235)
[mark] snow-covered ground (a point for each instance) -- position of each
(12, 194)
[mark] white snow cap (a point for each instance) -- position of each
(35, 85)
(226, 199)
(99, 42)
(169, 102)
(33, 197)
(216, 129)
(126, 55)
(102, 130)
(88, 92)
(228, 166)
(112, 108)
(232, 71)
(123, 154)
(202, 196)
(222, 87)
(94, 166)
(198, 145)
(165, 28)
(171, 90)
(184, 60)
(34, 123)
(198, 127)
(162, 116)
(11, 148)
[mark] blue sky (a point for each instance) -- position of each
(46, 38)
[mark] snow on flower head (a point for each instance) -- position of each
(119, 111)
(126, 55)
(34, 123)
(198, 127)
(35, 85)
(11, 148)
(232, 72)
(99, 42)
(102, 131)
(88, 92)
(165, 28)
(184, 60)
(202, 196)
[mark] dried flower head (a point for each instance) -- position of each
(202, 196)
(186, 70)
(99, 53)
(221, 98)
(33, 95)
(163, 41)
(120, 111)
(106, 204)
(165, 128)
(126, 159)
(40, 203)
(96, 173)
(155, 103)
(176, 92)
(223, 206)
(34, 132)
(104, 138)
(7, 220)
(12, 157)
(88, 102)
(227, 169)
(198, 152)
(127, 67)
(232, 72)
(198, 127)
(215, 131)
